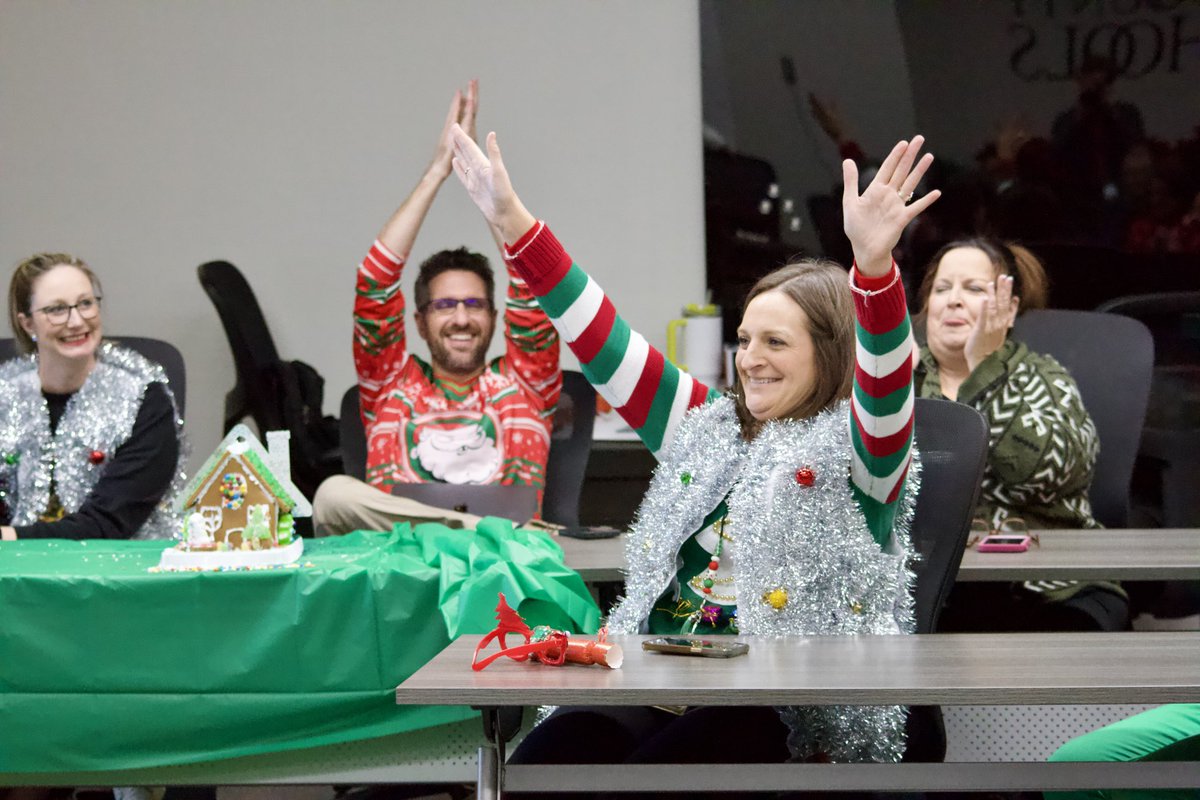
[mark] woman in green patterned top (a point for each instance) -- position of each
(1043, 445)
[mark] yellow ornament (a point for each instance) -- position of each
(856, 606)
(776, 598)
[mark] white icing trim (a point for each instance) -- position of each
(174, 558)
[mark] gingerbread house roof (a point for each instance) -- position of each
(244, 447)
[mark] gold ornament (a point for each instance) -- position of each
(776, 598)
(856, 606)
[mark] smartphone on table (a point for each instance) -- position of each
(696, 646)
(1004, 543)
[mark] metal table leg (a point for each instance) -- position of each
(500, 725)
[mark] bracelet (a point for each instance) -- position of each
(538, 228)
(872, 292)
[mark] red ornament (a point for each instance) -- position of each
(714, 565)
(96, 457)
(805, 476)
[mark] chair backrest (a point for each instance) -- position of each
(518, 503)
(1173, 319)
(352, 439)
(952, 439)
(570, 447)
(160, 352)
(1171, 438)
(1111, 359)
(250, 341)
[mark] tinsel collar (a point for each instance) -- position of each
(810, 541)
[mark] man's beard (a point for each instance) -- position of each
(455, 361)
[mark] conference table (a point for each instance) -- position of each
(942, 669)
(1127, 555)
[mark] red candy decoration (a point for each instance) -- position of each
(96, 457)
(805, 476)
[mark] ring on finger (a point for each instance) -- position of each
(905, 197)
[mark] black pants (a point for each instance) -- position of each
(1007, 608)
(637, 735)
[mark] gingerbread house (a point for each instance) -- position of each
(243, 499)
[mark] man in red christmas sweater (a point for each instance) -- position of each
(456, 418)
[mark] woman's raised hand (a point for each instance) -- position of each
(875, 219)
(993, 323)
(486, 181)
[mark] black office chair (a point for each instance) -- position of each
(160, 352)
(1169, 457)
(570, 447)
(1171, 437)
(254, 353)
(518, 503)
(352, 438)
(1111, 359)
(276, 394)
(952, 439)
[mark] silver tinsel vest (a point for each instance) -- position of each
(100, 416)
(808, 545)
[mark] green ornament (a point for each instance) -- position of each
(708, 583)
(685, 478)
(12, 458)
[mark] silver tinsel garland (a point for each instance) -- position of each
(99, 417)
(806, 564)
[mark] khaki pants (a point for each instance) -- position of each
(343, 504)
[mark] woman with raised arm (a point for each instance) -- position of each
(1042, 444)
(91, 444)
(780, 508)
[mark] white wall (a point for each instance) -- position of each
(150, 137)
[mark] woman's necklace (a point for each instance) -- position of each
(704, 582)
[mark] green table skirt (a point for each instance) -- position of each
(106, 665)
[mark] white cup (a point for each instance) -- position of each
(703, 352)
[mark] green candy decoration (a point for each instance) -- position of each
(286, 528)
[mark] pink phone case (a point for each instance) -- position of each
(1004, 543)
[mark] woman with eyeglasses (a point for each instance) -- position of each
(91, 443)
(1043, 444)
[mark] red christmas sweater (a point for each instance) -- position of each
(420, 428)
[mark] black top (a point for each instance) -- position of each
(134, 481)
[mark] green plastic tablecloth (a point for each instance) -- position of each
(106, 665)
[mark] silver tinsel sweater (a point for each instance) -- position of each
(807, 548)
(98, 418)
